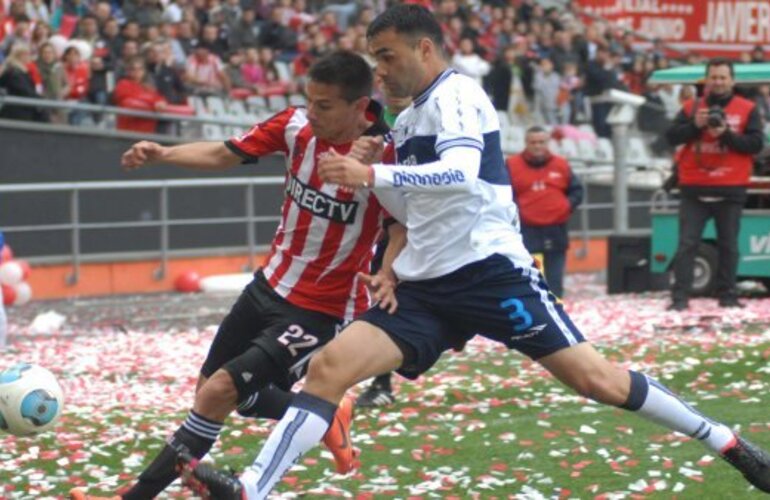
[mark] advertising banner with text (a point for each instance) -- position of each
(709, 27)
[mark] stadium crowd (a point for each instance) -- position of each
(536, 63)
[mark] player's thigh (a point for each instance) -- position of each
(417, 327)
(513, 305)
(281, 353)
(244, 322)
(361, 351)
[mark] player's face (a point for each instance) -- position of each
(537, 144)
(399, 63)
(331, 116)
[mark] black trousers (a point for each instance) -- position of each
(693, 215)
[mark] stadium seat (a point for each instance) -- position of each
(256, 103)
(604, 151)
(212, 132)
(297, 100)
(513, 140)
(638, 155)
(570, 149)
(587, 151)
(198, 105)
(277, 102)
(237, 109)
(554, 147)
(235, 131)
(284, 71)
(253, 118)
(216, 106)
(587, 128)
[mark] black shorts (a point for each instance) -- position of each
(266, 339)
(491, 297)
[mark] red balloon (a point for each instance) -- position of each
(6, 253)
(25, 269)
(188, 282)
(9, 295)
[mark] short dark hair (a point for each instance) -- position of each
(535, 129)
(408, 19)
(721, 61)
(347, 70)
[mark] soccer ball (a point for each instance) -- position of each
(30, 400)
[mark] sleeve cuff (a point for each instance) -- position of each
(383, 176)
(466, 142)
(247, 158)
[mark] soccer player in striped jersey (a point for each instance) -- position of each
(312, 280)
(464, 268)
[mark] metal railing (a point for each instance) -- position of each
(105, 109)
(75, 225)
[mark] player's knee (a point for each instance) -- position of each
(326, 367)
(219, 389)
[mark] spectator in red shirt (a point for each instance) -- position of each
(136, 91)
(78, 75)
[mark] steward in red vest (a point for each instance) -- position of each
(546, 192)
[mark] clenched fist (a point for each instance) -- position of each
(141, 154)
(367, 149)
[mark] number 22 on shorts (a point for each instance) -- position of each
(295, 338)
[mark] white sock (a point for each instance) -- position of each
(653, 401)
(304, 425)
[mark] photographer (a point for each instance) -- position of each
(720, 134)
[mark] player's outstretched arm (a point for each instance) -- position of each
(199, 155)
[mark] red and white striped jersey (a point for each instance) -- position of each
(326, 234)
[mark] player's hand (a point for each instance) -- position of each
(382, 286)
(701, 118)
(141, 154)
(367, 149)
(343, 170)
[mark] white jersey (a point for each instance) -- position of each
(450, 186)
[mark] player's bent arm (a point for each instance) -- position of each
(457, 170)
(396, 243)
(393, 201)
(201, 155)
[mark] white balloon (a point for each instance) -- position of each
(225, 282)
(83, 47)
(11, 273)
(59, 43)
(23, 293)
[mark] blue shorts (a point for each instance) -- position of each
(491, 297)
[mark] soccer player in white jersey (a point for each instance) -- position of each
(310, 283)
(464, 269)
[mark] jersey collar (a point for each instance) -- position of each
(420, 98)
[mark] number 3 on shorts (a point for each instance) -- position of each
(295, 339)
(520, 316)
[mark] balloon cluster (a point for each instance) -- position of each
(13, 278)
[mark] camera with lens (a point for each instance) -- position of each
(716, 117)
